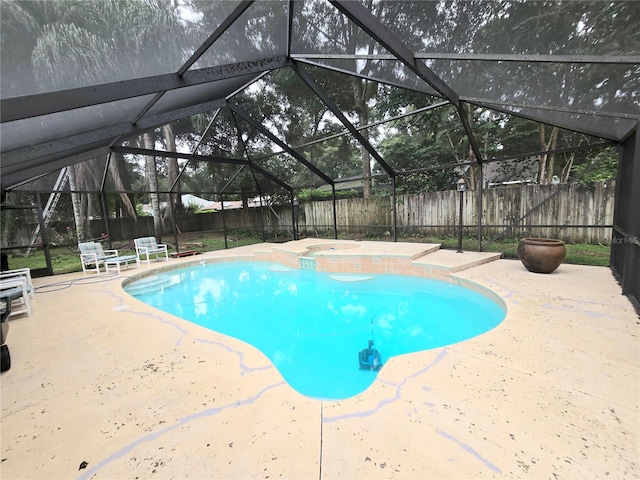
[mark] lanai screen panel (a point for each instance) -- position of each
(44, 183)
(427, 139)
(55, 126)
(337, 157)
(386, 70)
(466, 44)
(91, 170)
(55, 46)
(260, 32)
(324, 36)
(605, 126)
(578, 56)
(123, 174)
(198, 94)
(535, 27)
(588, 88)
(283, 104)
(502, 134)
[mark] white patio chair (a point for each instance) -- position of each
(147, 246)
(15, 289)
(17, 274)
(92, 253)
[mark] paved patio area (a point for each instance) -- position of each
(99, 377)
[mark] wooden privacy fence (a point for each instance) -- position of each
(569, 211)
(237, 219)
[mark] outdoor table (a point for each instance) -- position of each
(117, 261)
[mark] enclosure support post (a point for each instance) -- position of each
(105, 215)
(394, 209)
(335, 211)
(264, 236)
(460, 223)
(294, 227)
(224, 222)
(460, 187)
(479, 182)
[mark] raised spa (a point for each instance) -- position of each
(313, 325)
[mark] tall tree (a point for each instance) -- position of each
(152, 181)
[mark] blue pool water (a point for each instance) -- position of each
(312, 324)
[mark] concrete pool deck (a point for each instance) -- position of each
(99, 377)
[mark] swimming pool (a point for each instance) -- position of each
(312, 325)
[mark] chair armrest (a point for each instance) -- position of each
(89, 257)
(110, 253)
(22, 283)
(17, 271)
(22, 272)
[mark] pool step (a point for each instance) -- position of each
(151, 284)
(307, 263)
(447, 262)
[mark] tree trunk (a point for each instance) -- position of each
(76, 202)
(553, 141)
(150, 174)
(472, 177)
(119, 184)
(566, 171)
(172, 170)
(546, 173)
(363, 119)
(543, 158)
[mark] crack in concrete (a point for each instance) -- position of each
(387, 401)
(243, 366)
(183, 421)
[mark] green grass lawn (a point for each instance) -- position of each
(66, 259)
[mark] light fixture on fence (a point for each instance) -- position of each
(460, 186)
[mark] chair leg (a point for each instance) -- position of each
(25, 302)
(85, 269)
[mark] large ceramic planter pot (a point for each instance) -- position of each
(541, 255)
